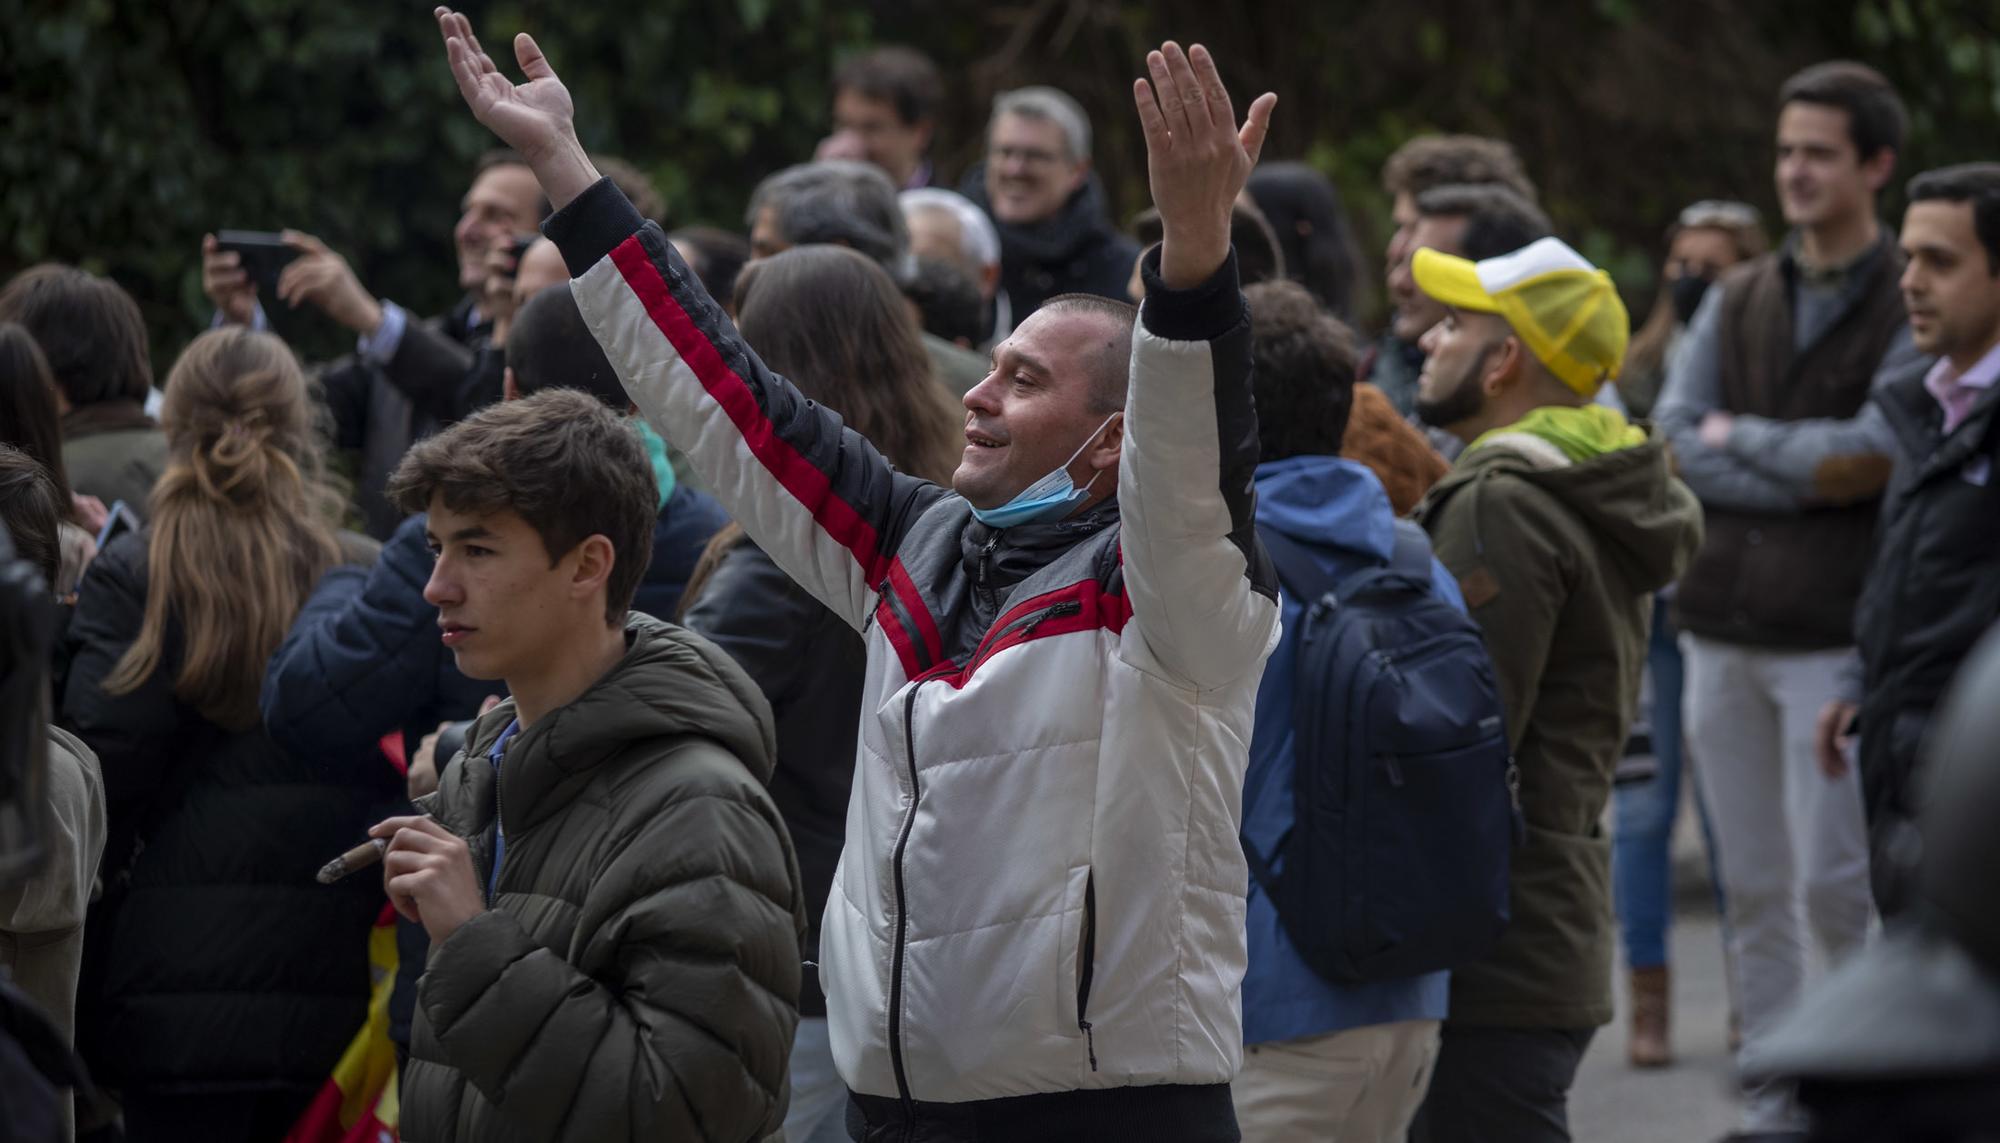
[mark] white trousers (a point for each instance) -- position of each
(1358, 1086)
(1791, 844)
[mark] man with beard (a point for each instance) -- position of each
(1560, 520)
(1055, 235)
(1423, 164)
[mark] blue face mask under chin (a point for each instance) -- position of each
(1050, 498)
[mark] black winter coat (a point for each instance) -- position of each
(215, 961)
(809, 665)
(1934, 587)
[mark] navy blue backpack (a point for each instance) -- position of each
(1407, 799)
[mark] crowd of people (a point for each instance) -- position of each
(937, 664)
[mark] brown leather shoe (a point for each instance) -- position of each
(1650, 1045)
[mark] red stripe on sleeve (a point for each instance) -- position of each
(805, 481)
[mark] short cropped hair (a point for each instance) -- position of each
(89, 329)
(31, 513)
(1876, 120)
(1304, 371)
(550, 347)
(836, 201)
(1497, 221)
(1050, 105)
(1974, 183)
(902, 77)
(563, 462)
(1442, 160)
(978, 241)
(1110, 368)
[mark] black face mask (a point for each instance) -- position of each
(1687, 294)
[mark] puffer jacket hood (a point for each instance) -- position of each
(670, 682)
(1648, 521)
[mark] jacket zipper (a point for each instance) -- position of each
(1026, 624)
(1089, 968)
(986, 558)
(909, 626)
(903, 921)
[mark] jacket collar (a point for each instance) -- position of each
(998, 558)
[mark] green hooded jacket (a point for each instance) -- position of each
(636, 975)
(1558, 559)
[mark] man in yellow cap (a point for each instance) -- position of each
(1560, 520)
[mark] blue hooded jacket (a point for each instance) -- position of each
(1337, 507)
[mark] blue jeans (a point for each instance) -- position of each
(1642, 886)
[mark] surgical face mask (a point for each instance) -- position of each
(1050, 498)
(1687, 294)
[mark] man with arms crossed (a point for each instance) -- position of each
(1036, 931)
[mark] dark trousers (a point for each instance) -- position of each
(249, 1117)
(1501, 1085)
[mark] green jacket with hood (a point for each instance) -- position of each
(1558, 559)
(636, 975)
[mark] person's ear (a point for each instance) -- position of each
(1505, 369)
(1879, 168)
(595, 558)
(1109, 446)
(510, 390)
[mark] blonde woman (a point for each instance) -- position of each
(220, 982)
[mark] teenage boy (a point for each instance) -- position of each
(612, 901)
(1036, 931)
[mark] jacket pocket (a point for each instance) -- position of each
(1077, 957)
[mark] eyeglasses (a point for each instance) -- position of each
(1720, 212)
(1026, 156)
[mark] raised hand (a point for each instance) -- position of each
(1197, 159)
(535, 118)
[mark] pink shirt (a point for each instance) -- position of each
(1956, 393)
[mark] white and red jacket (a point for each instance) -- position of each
(1042, 889)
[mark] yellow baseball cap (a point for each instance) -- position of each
(1564, 308)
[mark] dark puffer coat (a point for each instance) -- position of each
(215, 962)
(636, 973)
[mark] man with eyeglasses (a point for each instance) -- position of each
(1056, 235)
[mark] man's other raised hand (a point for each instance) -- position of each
(1197, 159)
(535, 118)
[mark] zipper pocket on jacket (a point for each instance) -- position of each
(1088, 967)
(903, 915)
(1025, 626)
(904, 619)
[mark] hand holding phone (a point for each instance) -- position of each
(118, 520)
(257, 257)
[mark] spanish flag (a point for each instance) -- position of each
(359, 1102)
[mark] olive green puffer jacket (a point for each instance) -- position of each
(637, 974)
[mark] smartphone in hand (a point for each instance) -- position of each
(118, 520)
(264, 255)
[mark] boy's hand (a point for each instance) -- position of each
(1196, 158)
(428, 874)
(535, 118)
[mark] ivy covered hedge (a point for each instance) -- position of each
(132, 126)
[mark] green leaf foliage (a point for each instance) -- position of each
(133, 126)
